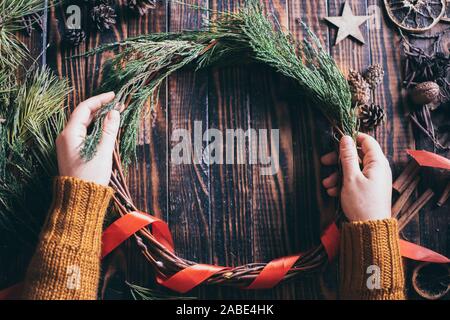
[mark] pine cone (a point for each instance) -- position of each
(374, 75)
(103, 16)
(74, 37)
(143, 6)
(370, 116)
(359, 87)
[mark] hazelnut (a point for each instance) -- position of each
(425, 93)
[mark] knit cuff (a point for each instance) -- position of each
(78, 211)
(66, 263)
(371, 264)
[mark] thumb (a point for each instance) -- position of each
(110, 129)
(349, 157)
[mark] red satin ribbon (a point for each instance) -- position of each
(330, 239)
(415, 252)
(190, 277)
(273, 272)
(429, 159)
(11, 293)
(129, 224)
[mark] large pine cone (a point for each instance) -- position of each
(370, 116)
(359, 87)
(143, 6)
(103, 16)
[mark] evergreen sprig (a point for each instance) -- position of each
(141, 293)
(33, 117)
(146, 61)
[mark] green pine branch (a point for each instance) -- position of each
(34, 115)
(12, 51)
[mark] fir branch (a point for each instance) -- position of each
(137, 72)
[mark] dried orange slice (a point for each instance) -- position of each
(415, 15)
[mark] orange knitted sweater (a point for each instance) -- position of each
(66, 264)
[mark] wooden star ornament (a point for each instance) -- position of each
(348, 24)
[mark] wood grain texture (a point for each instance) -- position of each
(231, 185)
(188, 184)
(231, 214)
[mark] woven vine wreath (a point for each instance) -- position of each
(137, 72)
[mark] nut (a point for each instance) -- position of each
(425, 93)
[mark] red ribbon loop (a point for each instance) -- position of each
(429, 159)
(415, 252)
(330, 239)
(273, 272)
(188, 278)
(127, 225)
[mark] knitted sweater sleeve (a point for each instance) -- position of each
(66, 264)
(370, 261)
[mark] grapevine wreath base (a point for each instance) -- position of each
(182, 275)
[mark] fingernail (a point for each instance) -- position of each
(347, 141)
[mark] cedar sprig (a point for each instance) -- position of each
(34, 116)
(248, 35)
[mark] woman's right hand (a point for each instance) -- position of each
(365, 194)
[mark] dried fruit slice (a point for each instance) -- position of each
(415, 15)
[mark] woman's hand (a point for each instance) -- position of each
(366, 194)
(70, 140)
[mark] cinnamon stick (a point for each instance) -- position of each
(404, 197)
(445, 195)
(414, 208)
(406, 177)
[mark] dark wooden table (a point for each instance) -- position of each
(230, 214)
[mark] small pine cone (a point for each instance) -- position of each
(370, 116)
(74, 37)
(103, 16)
(143, 6)
(359, 87)
(374, 75)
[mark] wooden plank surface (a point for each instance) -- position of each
(231, 214)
